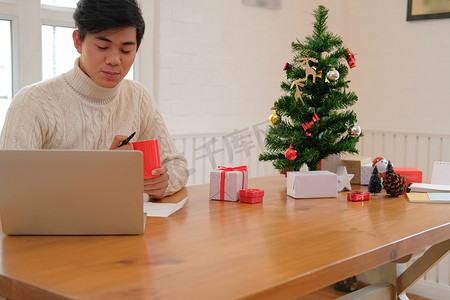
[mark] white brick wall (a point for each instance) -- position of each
(401, 70)
(217, 64)
(220, 62)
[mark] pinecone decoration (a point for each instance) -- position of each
(394, 184)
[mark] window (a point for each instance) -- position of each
(58, 51)
(5, 68)
(52, 42)
(62, 3)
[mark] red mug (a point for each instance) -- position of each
(150, 149)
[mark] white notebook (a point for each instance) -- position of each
(429, 188)
(441, 173)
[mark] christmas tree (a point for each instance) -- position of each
(389, 169)
(311, 120)
(375, 182)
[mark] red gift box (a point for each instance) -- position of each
(358, 196)
(410, 174)
(251, 195)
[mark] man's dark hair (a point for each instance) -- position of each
(93, 16)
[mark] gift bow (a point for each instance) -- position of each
(227, 169)
(307, 125)
(222, 177)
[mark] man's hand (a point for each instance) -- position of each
(116, 142)
(156, 187)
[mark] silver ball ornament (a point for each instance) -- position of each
(355, 131)
(333, 74)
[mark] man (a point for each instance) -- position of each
(91, 106)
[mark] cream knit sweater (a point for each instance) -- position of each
(71, 111)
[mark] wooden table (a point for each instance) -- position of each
(279, 249)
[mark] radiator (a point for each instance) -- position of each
(205, 152)
(409, 150)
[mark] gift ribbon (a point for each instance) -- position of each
(222, 177)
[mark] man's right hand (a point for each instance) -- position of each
(116, 142)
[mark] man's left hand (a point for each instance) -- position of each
(156, 187)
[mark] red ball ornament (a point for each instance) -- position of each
(291, 153)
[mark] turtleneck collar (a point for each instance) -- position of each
(87, 88)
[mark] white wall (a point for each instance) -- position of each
(402, 74)
(218, 64)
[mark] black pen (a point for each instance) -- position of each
(127, 139)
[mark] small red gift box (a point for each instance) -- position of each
(358, 196)
(251, 195)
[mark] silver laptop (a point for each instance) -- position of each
(71, 192)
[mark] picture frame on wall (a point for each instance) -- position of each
(271, 4)
(427, 9)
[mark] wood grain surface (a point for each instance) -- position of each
(281, 248)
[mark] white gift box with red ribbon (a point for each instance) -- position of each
(226, 182)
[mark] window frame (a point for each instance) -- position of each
(26, 37)
(14, 45)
